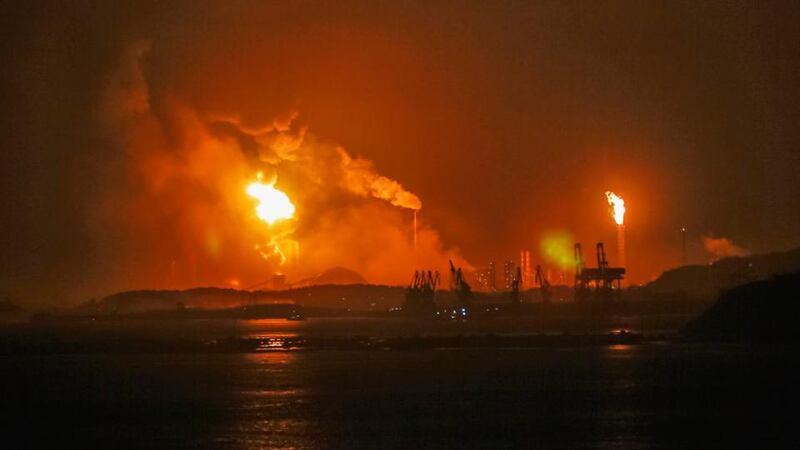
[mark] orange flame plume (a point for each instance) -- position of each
(273, 205)
(617, 205)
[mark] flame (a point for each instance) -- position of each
(617, 207)
(273, 205)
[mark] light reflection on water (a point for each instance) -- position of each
(270, 358)
(398, 326)
(272, 344)
(656, 396)
(665, 395)
(270, 403)
(621, 350)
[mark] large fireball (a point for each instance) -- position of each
(273, 205)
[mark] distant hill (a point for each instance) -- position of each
(706, 282)
(761, 311)
(334, 275)
(148, 300)
(341, 288)
(357, 297)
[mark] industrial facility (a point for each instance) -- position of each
(602, 283)
(420, 292)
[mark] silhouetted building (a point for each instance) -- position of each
(508, 274)
(486, 279)
(491, 277)
(525, 268)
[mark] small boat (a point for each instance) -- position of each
(296, 316)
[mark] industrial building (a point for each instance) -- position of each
(508, 274)
(601, 283)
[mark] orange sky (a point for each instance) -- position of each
(507, 121)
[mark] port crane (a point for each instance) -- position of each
(581, 288)
(543, 283)
(604, 279)
(516, 281)
(420, 292)
(461, 287)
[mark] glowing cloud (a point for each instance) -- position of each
(723, 247)
(556, 247)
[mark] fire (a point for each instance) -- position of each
(273, 205)
(617, 207)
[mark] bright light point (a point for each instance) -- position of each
(617, 207)
(273, 205)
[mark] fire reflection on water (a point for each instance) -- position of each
(272, 403)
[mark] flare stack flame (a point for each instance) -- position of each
(617, 205)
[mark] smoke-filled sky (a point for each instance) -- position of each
(130, 130)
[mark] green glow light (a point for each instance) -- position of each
(557, 248)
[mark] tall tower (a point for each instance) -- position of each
(528, 277)
(621, 244)
(617, 206)
(415, 230)
(525, 268)
(683, 246)
(508, 274)
(491, 275)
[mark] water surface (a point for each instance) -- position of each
(654, 395)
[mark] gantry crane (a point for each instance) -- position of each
(462, 289)
(602, 278)
(420, 292)
(543, 283)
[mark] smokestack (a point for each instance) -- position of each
(617, 210)
(525, 267)
(415, 230)
(683, 246)
(528, 274)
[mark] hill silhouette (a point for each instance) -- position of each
(761, 311)
(352, 296)
(706, 282)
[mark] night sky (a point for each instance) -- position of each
(509, 120)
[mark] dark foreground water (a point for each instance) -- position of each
(652, 395)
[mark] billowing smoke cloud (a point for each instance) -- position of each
(180, 215)
(360, 177)
(281, 141)
(723, 247)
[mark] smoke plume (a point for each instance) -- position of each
(361, 178)
(178, 215)
(723, 247)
